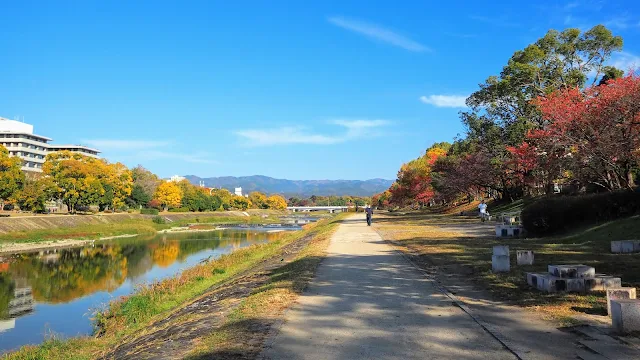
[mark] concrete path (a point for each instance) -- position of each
(368, 302)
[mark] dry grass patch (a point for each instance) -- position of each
(453, 253)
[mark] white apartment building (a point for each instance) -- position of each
(177, 178)
(19, 139)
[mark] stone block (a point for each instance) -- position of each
(602, 283)
(625, 316)
(524, 257)
(501, 250)
(500, 263)
(623, 293)
(572, 271)
(625, 246)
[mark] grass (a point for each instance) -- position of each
(453, 252)
(266, 304)
(130, 226)
(128, 316)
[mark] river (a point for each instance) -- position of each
(57, 291)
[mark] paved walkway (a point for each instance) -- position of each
(367, 302)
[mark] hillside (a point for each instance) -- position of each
(300, 188)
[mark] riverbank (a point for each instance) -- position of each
(205, 304)
(457, 247)
(80, 230)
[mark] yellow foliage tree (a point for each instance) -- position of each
(168, 194)
(276, 202)
(258, 199)
(11, 176)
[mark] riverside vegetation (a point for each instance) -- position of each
(137, 315)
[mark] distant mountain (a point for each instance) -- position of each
(300, 188)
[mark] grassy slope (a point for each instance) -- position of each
(130, 315)
(141, 226)
(472, 258)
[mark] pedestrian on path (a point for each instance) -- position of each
(484, 214)
(369, 211)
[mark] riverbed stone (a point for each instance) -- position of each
(623, 293)
(572, 271)
(501, 250)
(524, 257)
(500, 263)
(625, 315)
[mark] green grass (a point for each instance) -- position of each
(127, 316)
(130, 226)
(471, 257)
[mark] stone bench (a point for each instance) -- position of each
(625, 315)
(508, 230)
(550, 283)
(571, 271)
(626, 293)
(625, 246)
(500, 260)
(524, 257)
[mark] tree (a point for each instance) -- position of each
(240, 202)
(145, 179)
(276, 202)
(11, 176)
(168, 194)
(259, 200)
(75, 178)
(34, 194)
(139, 196)
(593, 135)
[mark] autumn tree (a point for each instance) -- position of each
(276, 202)
(11, 176)
(35, 193)
(592, 135)
(258, 199)
(240, 202)
(168, 194)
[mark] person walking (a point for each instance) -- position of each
(369, 211)
(483, 210)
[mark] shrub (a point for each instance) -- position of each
(559, 213)
(149, 211)
(159, 220)
(180, 209)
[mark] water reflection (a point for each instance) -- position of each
(54, 291)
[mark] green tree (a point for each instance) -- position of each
(11, 176)
(139, 197)
(34, 194)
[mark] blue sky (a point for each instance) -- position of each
(289, 89)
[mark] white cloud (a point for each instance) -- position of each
(287, 135)
(620, 22)
(379, 33)
(571, 5)
(112, 144)
(453, 101)
(625, 61)
(197, 158)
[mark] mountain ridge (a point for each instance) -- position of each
(303, 188)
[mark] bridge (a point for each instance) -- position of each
(330, 209)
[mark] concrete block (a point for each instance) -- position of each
(524, 257)
(625, 316)
(625, 293)
(532, 279)
(572, 271)
(500, 263)
(553, 284)
(602, 283)
(501, 250)
(502, 231)
(625, 246)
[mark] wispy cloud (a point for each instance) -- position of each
(625, 61)
(131, 144)
(622, 22)
(571, 5)
(379, 33)
(195, 158)
(452, 101)
(287, 135)
(140, 150)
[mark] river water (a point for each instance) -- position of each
(57, 291)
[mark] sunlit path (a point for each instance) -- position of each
(367, 302)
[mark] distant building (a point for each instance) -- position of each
(238, 191)
(32, 149)
(177, 178)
